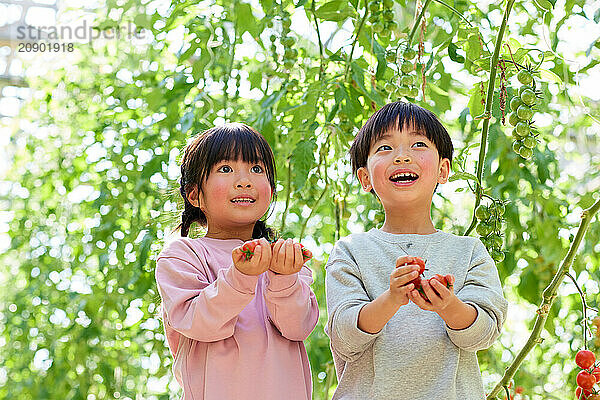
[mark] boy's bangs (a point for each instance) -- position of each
(397, 118)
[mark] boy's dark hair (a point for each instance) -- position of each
(397, 115)
(227, 142)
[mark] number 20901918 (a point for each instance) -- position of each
(43, 47)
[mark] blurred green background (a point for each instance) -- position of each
(92, 133)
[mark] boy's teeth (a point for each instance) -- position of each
(404, 176)
(240, 200)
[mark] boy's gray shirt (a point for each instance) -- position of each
(416, 355)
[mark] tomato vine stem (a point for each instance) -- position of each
(358, 29)
(548, 297)
(321, 57)
(417, 22)
(584, 308)
(288, 194)
(488, 111)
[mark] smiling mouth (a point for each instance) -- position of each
(243, 200)
(404, 177)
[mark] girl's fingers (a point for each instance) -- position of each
(277, 246)
(237, 254)
(298, 258)
(289, 254)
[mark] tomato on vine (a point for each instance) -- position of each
(585, 380)
(585, 359)
(524, 77)
(409, 54)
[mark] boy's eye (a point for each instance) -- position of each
(224, 168)
(257, 169)
(420, 144)
(384, 147)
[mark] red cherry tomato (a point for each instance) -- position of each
(586, 393)
(585, 380)
(585, 359)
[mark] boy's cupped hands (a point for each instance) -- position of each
(403, 279)
(439, 296)
(406, 282)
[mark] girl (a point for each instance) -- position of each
(235, 313)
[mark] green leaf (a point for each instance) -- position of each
(380, 54)
(548, 75)
(462, 176)
(245, 20)
(303, 160)
(453, 53)
(476, 107)
(336, 10)
(544, 4)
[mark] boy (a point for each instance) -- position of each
(387, 341)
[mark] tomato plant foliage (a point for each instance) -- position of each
(91, 192)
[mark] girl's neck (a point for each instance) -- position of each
(244, 234)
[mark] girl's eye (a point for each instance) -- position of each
(257, 169)
(384, 147)
(225, 168)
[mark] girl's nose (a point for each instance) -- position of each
(244, 182)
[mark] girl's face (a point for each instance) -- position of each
(235, 195)
(403, 168)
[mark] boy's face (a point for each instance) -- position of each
(403, 168)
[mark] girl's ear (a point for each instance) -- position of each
(363, 177)
(195, 199)
(444, 170)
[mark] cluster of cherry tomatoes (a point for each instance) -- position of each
(522, 105)
(489, 227)
(407, 77)
(290, 54)
(588, 377)
(382, 17)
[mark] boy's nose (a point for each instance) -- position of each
(402, 158)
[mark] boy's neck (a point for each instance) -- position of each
(409, 222)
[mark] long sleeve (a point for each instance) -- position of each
(346, 296)
(195, 307)
(291, 304)
(483, 290)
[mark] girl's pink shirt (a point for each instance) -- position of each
(234, 336)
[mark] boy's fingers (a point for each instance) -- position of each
(415, 296)
(403, 280)
(399, 271)
(404, 260)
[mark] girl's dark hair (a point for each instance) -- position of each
(232, 141)
(397, 115)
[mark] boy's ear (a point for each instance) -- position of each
(363, 177)
(444, 171)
